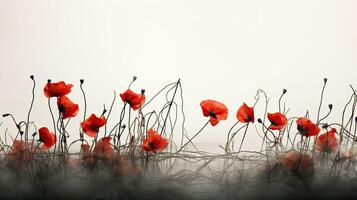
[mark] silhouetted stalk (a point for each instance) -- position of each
(193, 136)
(110, 111)
(31, 105)
(244, 134)
(229, 133)
(281, 96)
(168, 111)
(330, 106)
(321, 99)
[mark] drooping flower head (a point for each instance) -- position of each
(277, 121)
(154, 142)
(306, 127)
(327, 142)
(91, 125)
(48, 138)
(217, 111)
(103, 149)
(245, 114)
(66, 107)
(133, 99)
(57, 89)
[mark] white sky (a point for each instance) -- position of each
(224, 50)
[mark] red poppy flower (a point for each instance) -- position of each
(217, 111)
(134, 100)
(66, 107)
(245, 114)
(154, 142)
(295, 161)
(91, 125)
(48, 138)
(57, 89)
(306, 127)
(277, 121)
(103, 149)
(327, 142)
(20, 151)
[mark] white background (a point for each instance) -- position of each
(224, 50)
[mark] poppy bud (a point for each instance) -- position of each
(124, 126)
(81, 81)
(34, 134)
(142, 91)
(284, 91)
(356, 119)
(32, 77)
(5, 115)
(134, 78)
(260, 120)
(330, 106)
(325, 126)
(104, 111)
(21, 132)
(325, 80)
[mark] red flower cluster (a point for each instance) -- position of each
(91, 125)
(154, 142)
(217, 111)
(133, 99)
(327, 142)
(65, 106)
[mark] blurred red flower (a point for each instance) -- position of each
(327, 142)
(277, 121)
(57, 89)
(48, 138)
(92, 124)
(306, 127)
(103, 149)
(133, 99)
(154, 142)
(296, 161)
(85, 148)
(217, 111)
(245, 114)
(20, 151)
(66, 107)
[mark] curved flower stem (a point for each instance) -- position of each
(321, 98)
(193, 136)
(229, 134)
(31, 106)
(110, 111)
(329, 112)
(235, 133)
(284, 91)
(244, 134)
(54, 127)
(85, 106)
(168, 111)
(152, 98)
